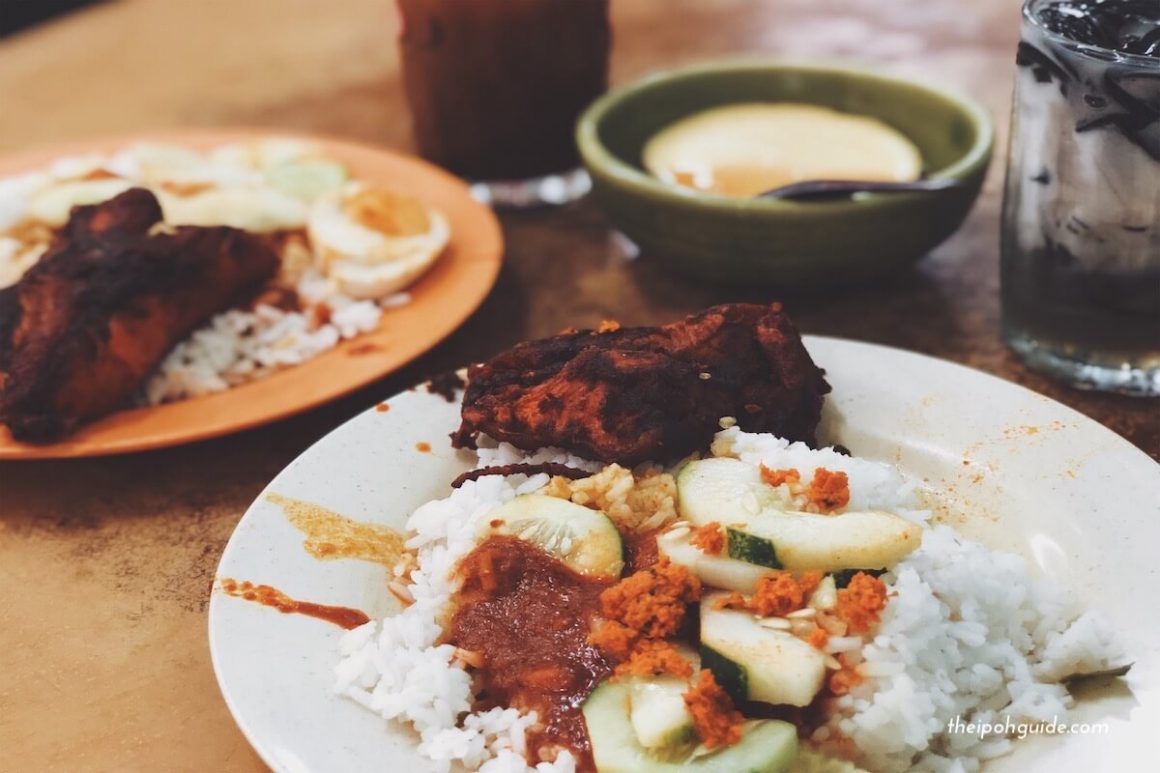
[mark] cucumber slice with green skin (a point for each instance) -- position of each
(804, 542)
(714, 571)
(751, 550)
(768, 746)
(583, 538)
(724, 490)
(660, 719)
(658, 712)
(306, 179)
(760, 531)
(756, 663)
(732, 677)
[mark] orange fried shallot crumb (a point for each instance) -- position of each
(860, 602)
(652, 657)
(778, 477)
(716, 721)
(652, 601)
(818, 637)
(640, 611)
(710, 538)
(829, 490)
(809, 581)
(843, 680)
(614, 640)
(777, 594)
(608, 326)
(733, 600)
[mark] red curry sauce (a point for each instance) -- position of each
(268, 595)
(528, 616)
(640, 550)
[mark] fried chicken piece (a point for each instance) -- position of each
(83, 328)
(632, 394)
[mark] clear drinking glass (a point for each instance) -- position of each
(495, 88)
(1081, 211)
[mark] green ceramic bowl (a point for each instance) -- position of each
(786, 243)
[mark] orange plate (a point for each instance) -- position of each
(441, 300)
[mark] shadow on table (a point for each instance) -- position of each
(912, 308)
(16, 15)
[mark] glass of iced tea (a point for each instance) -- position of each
(1081, 211)
(495, 88)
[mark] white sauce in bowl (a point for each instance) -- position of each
(744, 149)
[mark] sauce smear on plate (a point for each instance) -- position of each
(269, 596)
(331, 536)
(528, 616)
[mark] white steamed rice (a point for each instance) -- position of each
(241, 345)
(968, 632)
(394, 666)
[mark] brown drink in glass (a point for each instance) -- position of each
(495, 88)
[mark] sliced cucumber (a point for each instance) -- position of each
(659, 716)
(804, 542)
(732, 676)
(724, 490)
(761, 532)
(751, 550)
(583, 538)
(768, 746)
(658, 713)
(756, 663)
(306, 180)
(714, 571)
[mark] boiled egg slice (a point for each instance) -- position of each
(373, 242)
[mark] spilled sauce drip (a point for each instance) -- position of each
(332, 536)
(269, 596)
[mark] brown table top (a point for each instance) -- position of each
(106, 563)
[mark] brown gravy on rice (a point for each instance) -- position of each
(524, 617)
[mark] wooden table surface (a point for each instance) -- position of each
(105, 564)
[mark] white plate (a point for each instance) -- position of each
(1015, 469)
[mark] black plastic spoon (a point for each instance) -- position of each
(831, 189)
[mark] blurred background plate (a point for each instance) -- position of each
(440, 301)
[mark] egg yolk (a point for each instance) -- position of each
(388, 213)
